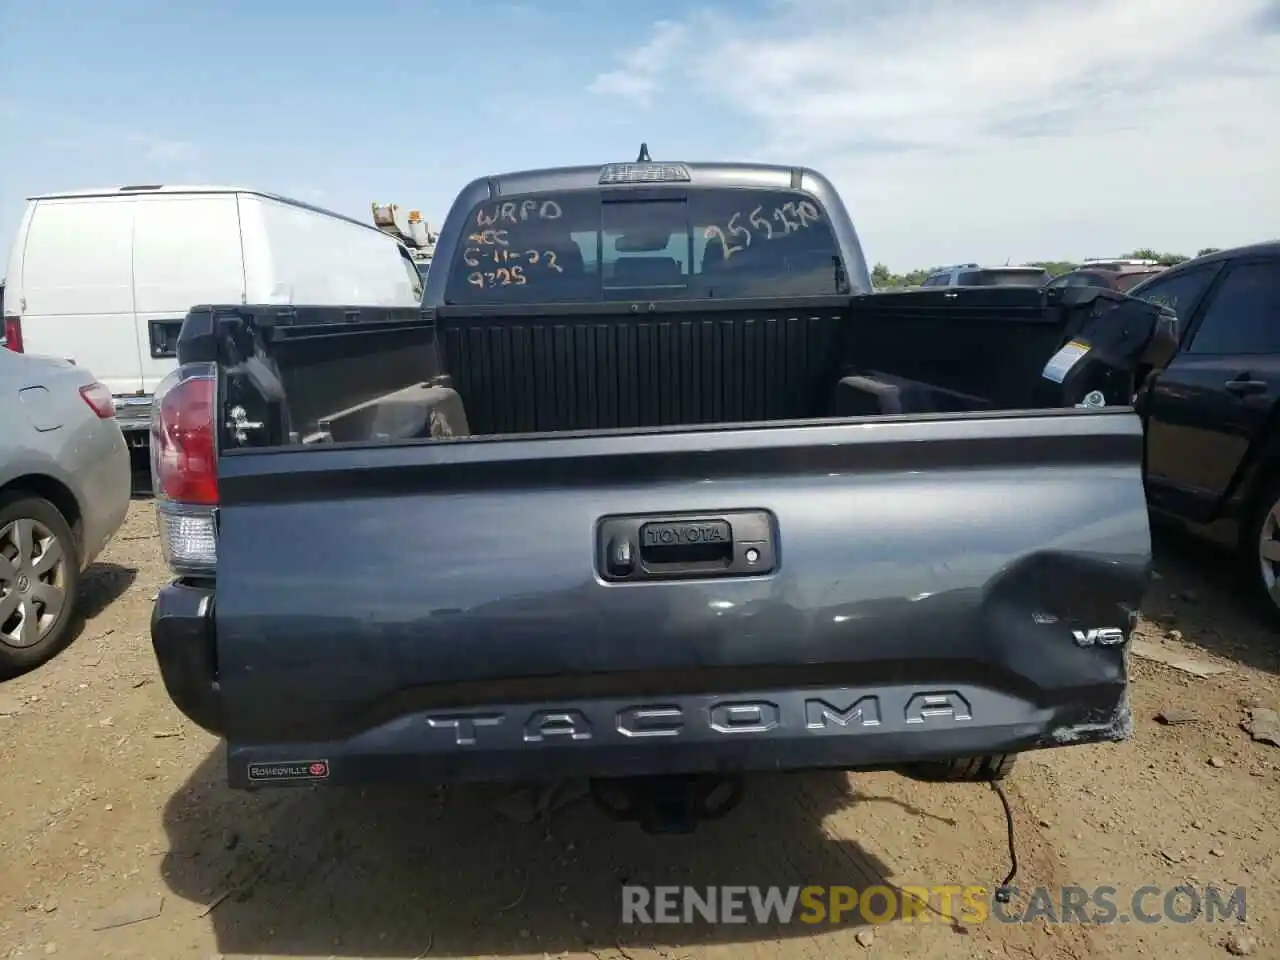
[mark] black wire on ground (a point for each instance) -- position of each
(1004, 892)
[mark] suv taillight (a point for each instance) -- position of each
(184, 467)
(13, 334)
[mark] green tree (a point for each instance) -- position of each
(1205, 251)
(1164, 259)
(886, 279)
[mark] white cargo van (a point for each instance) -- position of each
(105, 277)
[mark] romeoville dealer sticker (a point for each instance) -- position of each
(289, 770)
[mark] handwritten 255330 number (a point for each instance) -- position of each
(791, 217)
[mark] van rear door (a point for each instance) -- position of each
(74, 290)
(186, 251)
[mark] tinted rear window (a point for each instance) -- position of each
(1081, 280)
(1131, 280)
(560, 247)
(1003, 278)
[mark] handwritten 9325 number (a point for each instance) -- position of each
(791, 217)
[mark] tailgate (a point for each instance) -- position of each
(362, 586)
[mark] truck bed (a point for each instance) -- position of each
(316, 374)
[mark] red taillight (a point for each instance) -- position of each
(13, 334)
(183, 455)
(99, 400)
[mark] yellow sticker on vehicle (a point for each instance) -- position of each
(1060, 363)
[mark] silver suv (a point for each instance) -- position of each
(973, 275)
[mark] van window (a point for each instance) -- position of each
(416, 272)
(186, 251)
(77, 258)
(584, 246)
(317, 258)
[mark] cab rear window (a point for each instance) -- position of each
(588, 246)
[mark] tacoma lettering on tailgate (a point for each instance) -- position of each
(724, 717)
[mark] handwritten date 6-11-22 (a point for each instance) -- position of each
(744, 228)
(491, 259)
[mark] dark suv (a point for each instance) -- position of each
(973, 275)
(1213, 446)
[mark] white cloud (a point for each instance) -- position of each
(995, 130)
(164, 150)
(172, 151)
(140, 150)
(640, 73)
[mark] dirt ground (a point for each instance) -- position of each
(113, 814)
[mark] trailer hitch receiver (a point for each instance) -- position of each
(668, 804)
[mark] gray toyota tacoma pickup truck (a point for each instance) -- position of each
(655, 491)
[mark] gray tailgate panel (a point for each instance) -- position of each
(358, 585)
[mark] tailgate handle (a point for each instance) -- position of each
(686, 542)
(735, 544)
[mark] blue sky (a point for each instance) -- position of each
(980, 130)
